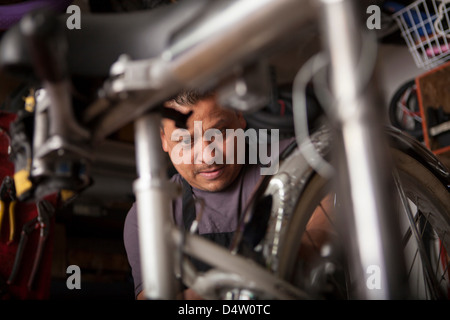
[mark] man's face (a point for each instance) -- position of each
(199, 172)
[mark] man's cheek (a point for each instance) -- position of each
(186, 171)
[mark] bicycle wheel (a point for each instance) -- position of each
(324, 274)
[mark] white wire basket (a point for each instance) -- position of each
(425, 26)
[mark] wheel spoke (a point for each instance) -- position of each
(428, 270)
(412, 263)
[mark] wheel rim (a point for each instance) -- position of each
(434, 232)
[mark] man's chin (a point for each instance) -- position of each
(213, 186)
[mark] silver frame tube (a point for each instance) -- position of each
(234, 268)
(235, 31)
(153, 211)
(363, 162)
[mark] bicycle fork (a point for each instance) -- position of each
(375, 254)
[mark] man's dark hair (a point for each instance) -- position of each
(190, 97)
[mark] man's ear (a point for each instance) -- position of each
(163, 140)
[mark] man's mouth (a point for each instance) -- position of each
(211, 173)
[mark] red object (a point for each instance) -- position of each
(282, 106)
(24, 213)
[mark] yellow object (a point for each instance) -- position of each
(2, 211)
(22, 182)
(66, 195)
(12, 220)
(30, 101)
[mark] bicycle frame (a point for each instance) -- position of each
(237, 32)
(188, 67)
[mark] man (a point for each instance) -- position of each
(224, 186)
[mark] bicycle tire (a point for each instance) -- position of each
(421, 186)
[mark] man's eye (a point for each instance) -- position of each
(186, 142)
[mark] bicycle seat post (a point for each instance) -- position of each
(48, 48)
(153, 209)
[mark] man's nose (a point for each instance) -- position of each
(202, 153)
(207, 151)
